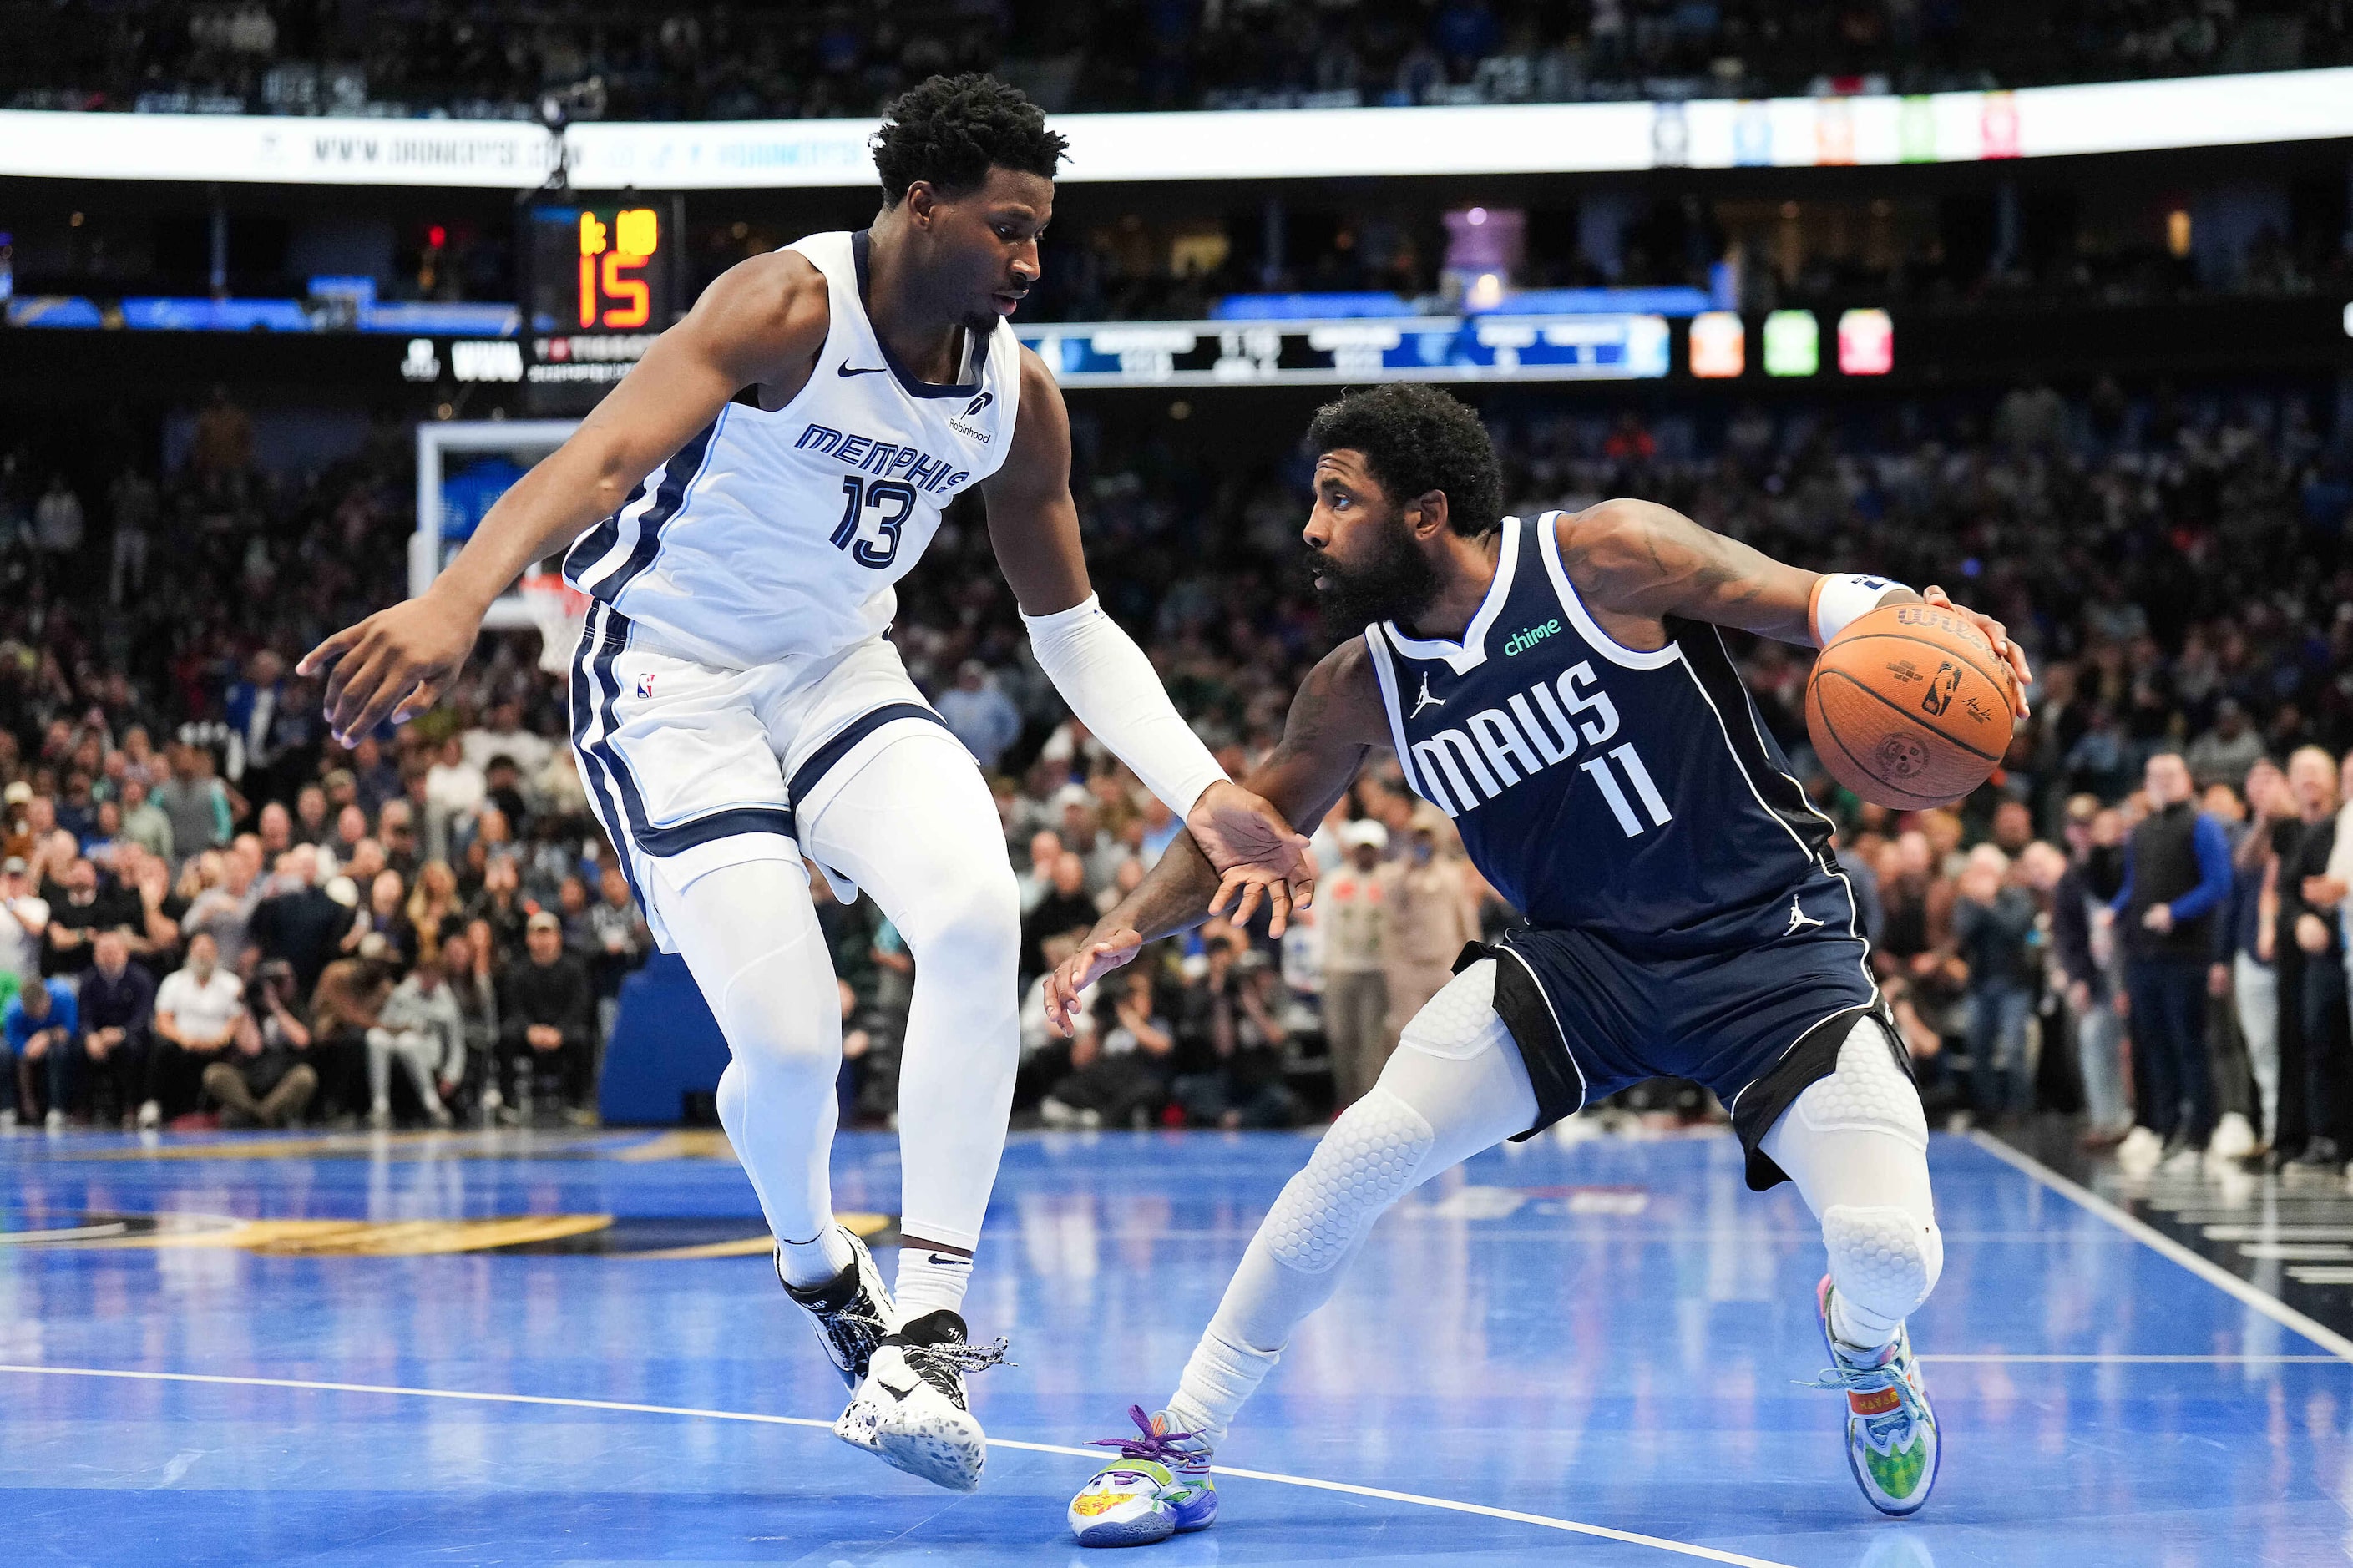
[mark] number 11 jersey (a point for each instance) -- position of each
(778, 536)
(1628, 791)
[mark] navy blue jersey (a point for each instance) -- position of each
(1600, 787)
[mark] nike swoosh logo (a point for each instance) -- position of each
(858, 369)
(951, 1262)
(896, 1390)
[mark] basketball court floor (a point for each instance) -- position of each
(501, 1348)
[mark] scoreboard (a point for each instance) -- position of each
(1606, 347)
(600, 283)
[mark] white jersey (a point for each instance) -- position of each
(777, 536)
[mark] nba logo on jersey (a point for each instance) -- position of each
(646, 684)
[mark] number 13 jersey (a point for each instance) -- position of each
(775, 536)
(1601, 786)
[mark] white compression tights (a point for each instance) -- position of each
(916, 828)
(1456, 1086)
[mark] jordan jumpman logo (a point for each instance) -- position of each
(1425, 699)
(1798, 918)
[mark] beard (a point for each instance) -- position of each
(1396, 585)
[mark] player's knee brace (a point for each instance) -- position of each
(1884, 1260)
(1371, 1158)
(1867, 1092)
(1460, 1021)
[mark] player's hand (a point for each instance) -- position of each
(1256, 852)
(1081, 970)
(1996, 634)
(393, 665)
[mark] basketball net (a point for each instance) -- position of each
(561, 613)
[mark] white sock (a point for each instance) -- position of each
(816, 1260)
(930, 1281)
(1859, 1328)
(1220, 1375)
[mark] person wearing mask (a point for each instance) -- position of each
(118, 1011)
(197, 1010)
(1355, 987)
(265, 1081)
(1993, 927)
(40, 1027)
(2314, 1028)
(2177, 875)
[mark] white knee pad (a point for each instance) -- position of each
(1867, 1092)
(1460, 1021)
(1882, 1260)
(1370, 1159)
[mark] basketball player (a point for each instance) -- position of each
(738, 510)
(1559, 688)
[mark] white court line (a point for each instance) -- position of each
(1514, 1516)
(2206, 1268)
(2137, 1360)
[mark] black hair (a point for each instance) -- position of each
(950, 131)
(1416, 439)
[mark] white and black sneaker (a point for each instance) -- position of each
(853, 1309)
(911, 1410)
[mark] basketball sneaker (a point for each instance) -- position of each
(1890, 1432)
(911, 1410)
(1160, 1486)
(853, 1309)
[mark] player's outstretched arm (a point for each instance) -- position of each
(762, 321)
(1033, 525)
(1645, 562)
(1336, 719)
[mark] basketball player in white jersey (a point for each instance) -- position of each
(738, 510)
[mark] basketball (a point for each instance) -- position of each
(1910, 707)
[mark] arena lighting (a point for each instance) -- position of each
(1287, 144)
(1866, 343)
(1793, 343)
(1719, 344)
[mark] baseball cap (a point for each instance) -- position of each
(1364, 830)
(17, 794)
(14, 865)
(545, 920)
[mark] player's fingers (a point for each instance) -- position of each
(420, 700)
(327, 652)
(1228, 887)
(1247, 905)
(1303, 893)
(389, 694)
(353, 687)
(1278, 908)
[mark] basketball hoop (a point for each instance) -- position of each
(561, 613)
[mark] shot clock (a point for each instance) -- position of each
(601, 282)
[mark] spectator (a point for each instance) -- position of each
(2306, 963)
(145, 823)
(117, 1003)
(432, 908)
(2080, 973)
(224, 905)
(498, 904)
(266, 1082)
(472, 984)
(135, 504)
(2223, 754)
(1231, 1066)
(253, 707)
(347, 1003)
(199, 1008)
(979, 714)
(89, 903)
(192, 800)
(2246, 941)
(301, 922)
(454, 792)
(1033, 885)
(57, 521)
(23, 919)
(1993, 924)
(1429, 916)
(1356, 985)
(618, 940)
(505, 736)
(312, 823)
(2177, 875)
(547, 1011)
(1065, 908)
(1119, 1070)
(421, 1026)
(40, 1027)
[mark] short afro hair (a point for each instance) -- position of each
(952, 130)
(1416, 439)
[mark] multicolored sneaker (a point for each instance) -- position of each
(1891, 1433)
(1159, 1486)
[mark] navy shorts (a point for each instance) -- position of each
(1756, 1024)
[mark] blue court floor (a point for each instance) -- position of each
(502, 1348)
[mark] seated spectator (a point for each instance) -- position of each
(420, 1025)
(499, 905)
(88, 903)
(197, 1010)
(472, 982)
(227, 895)
(1033, 885)
(344, 1005)
(1231, 1072)
(266, 1082)
(298, 922)
(40, 1027)
(118, 1010)
(977, 712)
(547, 1014)
(433, 908)
(145, 823)
(23, 919)
(1066, 908)
(1119, 1070)
(618, 939)
(383, 917)
(194, 801)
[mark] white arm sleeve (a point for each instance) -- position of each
(1116, 693)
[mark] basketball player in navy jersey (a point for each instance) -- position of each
(1559, 687)
(738, 510)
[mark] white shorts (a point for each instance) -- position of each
(701, 767)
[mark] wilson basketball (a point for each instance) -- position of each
(1910, 707)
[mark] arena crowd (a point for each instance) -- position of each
(219, 912)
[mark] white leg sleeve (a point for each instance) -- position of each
(1856, 1144)
(1455, 1086)
(749, 935)
(915, 828)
